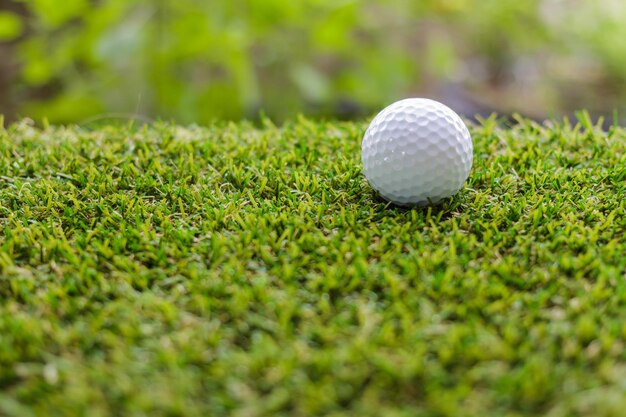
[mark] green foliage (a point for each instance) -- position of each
(234, 270)
(195, 61)
(10, 26)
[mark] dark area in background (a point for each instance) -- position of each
(9, 66)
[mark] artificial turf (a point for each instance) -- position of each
(251, 271)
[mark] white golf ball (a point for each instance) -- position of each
(417, 152)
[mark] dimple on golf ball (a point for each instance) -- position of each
(416, 152)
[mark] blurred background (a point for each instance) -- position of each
(194, 61)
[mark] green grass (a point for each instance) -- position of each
(236, 270)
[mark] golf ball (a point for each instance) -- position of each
(416, 152)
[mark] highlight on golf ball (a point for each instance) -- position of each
(417, 151)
